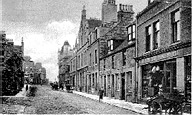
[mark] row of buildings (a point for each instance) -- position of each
(35, 73)
(131, 55)
(11, 66)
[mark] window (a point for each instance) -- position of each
(148, 38)
(2, 53)
(90, 59)
(130, 78)
(95, 80)
(95, 56)
(104, 64)
(117, 82)
(90, 38)
(110, 45)
(156, 37)
(82, 59)
(71, 66)
(124, 57)
(78, 61)
(176, 25)
(108, 82)
(113, 62)
(85, 58)
(131, 32)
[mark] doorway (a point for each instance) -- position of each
(112, 87)
(123, 87)
(105, 89)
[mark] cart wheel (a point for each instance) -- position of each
(176, 108)
(156, 107)
(186, 107)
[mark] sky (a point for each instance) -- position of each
(46, 24)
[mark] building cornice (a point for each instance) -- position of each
(170, 48)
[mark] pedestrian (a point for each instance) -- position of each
(26, 87)
(101, 91)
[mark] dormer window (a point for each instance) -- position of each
(150, 1)
(131, 32)
(110, 45)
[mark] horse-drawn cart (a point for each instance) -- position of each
(172, 103)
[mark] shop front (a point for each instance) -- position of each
(157, 76)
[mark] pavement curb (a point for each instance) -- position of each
(105, 101)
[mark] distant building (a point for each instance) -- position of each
(63, 56)
(29, 69)
(39, 73)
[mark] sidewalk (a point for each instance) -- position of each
(15, 108)
(23, 92)
(120, 103)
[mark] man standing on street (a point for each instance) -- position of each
(101, 91)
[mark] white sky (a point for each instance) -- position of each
(46, 24)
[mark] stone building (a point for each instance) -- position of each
(86, 26)
(39, 74)
(163, 52)
(11, 65)
(72, 71)
(117, 66)
(28, 69)
(63, 57)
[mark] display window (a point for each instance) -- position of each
(158, 77)
(188, 78)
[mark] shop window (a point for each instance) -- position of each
(170, 76)
(188, 78)
(175, 22)
(157, 75)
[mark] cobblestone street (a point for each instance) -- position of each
(48, 101)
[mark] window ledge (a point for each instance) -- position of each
(175, 43)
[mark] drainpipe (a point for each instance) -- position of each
(136, 65)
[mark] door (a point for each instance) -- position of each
(105, 89)
(112, 87)
(123, 87)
